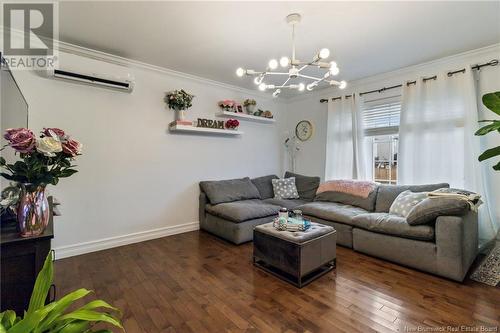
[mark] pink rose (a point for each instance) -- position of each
(72, 147)
(54, 132)
(21, 139)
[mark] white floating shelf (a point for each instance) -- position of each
(244, 116)
(203, 130)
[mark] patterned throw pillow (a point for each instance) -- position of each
(285, 188)
(405, 201)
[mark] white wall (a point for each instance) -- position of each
(135, 179)
(311, 160)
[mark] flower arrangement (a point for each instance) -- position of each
(232, 124)
(179, 100)
(249, 101)
(227, 104)
(43, 160)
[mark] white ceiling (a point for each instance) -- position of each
(212, 39)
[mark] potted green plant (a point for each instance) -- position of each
(492, 102)
(179, 101)
(249, 105)
(55, 317)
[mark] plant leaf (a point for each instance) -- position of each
(495, 126)
(489, 153)
(60, 306)
(98, 304)
(89, 315)
(492, 101)
(31, 320)
(497, 167)
(76, 326)
(42, 285)
(2, 329)
(8, 318)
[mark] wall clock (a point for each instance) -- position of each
(304, 130)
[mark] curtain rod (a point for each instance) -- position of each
(493, 62)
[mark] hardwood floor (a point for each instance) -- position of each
(194, 282)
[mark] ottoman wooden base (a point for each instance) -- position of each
(298, 258)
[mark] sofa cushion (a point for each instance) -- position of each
(219, 191)
(306, 185)
(289, 204)
(349, 199)
(265, 186)
(285, 188)
(430, 208)
(386, 223)
(240, 211)
(405, 201)
(387, 193)
(332, 211)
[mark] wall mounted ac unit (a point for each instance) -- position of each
(93, 79)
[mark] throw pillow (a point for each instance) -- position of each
(219, 191)
(429, 209)
(285, 188)
(265, 186)
(405, 201)
(306, 186)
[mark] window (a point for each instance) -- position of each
(381, 126)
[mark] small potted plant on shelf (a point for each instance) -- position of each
(227, 105)
(179, 101)
(232, 124)
(43, 161)
(249, 105)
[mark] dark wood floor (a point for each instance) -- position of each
(194, 282)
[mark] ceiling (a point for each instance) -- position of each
(212, 39)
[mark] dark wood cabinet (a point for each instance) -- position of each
(21, 260)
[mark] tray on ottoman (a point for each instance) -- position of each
(297, 257)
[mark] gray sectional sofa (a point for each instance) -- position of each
(447, 246)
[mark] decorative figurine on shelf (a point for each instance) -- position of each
(238, 108)
(227, 105)
(232, 124)
(179, 101)
(250, 105)
(267, 114)
(43, 161)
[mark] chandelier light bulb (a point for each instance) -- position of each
(258, 80)
(273, 63)
(334, 70)
(284, 61)
(310, 87)
(240, 72)
(324, 53)
(262, 87)
(301, 87)
(343, 84)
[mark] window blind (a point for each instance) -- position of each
(381, 116)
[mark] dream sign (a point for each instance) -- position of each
(209, 123)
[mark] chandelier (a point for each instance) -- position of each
(295, 67)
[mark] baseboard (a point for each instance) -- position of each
(108, 243)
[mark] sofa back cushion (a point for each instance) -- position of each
(265, 186)
(349, 199)
(306, 186)
(219, 191)
(388, 193)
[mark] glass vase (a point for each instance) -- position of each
(33, 210)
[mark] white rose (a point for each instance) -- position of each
(48, 146)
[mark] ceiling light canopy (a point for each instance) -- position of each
(295, 67)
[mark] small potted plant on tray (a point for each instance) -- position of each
(179, 101)
(227, 105)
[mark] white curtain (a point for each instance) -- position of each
(436, 137)
(345, 158)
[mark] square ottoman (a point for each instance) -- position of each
(298, 257)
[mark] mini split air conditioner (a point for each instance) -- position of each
(93, 79)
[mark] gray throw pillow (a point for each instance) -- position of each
(306, 185)
(265, 186)
(429, 209)
(285, 188)
(405, 201)
(220, 191)
(388, 193)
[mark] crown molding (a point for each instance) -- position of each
(397, 73)
(126, 62)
